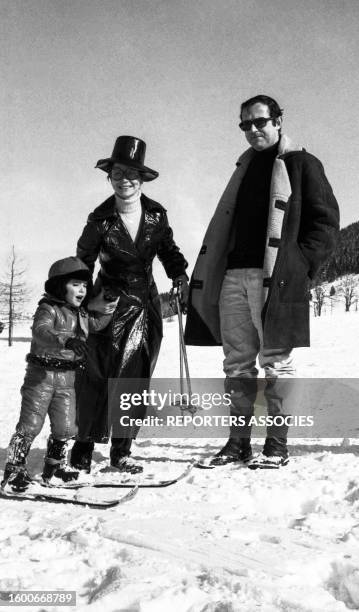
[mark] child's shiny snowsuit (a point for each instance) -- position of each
(52, 390)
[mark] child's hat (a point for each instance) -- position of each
(70, 267)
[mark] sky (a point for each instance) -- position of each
(78, 73)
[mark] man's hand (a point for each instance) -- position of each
(100, 304)
(77, 345)
(180, 285)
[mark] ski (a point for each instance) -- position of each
(129, 483)
(60, 498)
(204, 465)
(145, 485)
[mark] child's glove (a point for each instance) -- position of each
(77, 345)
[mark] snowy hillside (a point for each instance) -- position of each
(224, 540)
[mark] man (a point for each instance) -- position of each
(274, 226)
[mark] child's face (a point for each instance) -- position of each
(75, 291)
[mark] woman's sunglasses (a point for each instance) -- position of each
(117, 174)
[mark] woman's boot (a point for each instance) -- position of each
(120, 456)
(81, 455)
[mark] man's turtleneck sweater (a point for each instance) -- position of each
(251, 216)
(130, 211)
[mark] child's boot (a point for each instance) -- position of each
(15, 472)
(55, 462)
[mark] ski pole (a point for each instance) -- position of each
(183, 359)
(180, 354)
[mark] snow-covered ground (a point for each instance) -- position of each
(223, 540)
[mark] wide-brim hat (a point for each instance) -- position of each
(129, 151)
(63, 269)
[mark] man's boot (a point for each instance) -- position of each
(15, 472)
(120, 456)
(238, 447)
(55, 462)
(81, 455)
(278, 393)
(273, 456)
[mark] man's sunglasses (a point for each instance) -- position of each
(259, 123)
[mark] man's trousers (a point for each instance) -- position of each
(240, 306)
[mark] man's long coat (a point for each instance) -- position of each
(303, 222)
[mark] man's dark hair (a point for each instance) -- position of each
(275, 110)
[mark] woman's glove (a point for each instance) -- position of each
(77, 345)
(180, 286)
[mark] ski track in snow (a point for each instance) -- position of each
(222, 540)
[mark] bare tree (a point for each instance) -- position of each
(332, 297)
(348, 289)
(318, 300)
(13, 292)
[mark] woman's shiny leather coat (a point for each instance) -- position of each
(129, 346)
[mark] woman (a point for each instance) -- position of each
(125, 232)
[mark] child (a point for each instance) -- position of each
(58, 347)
